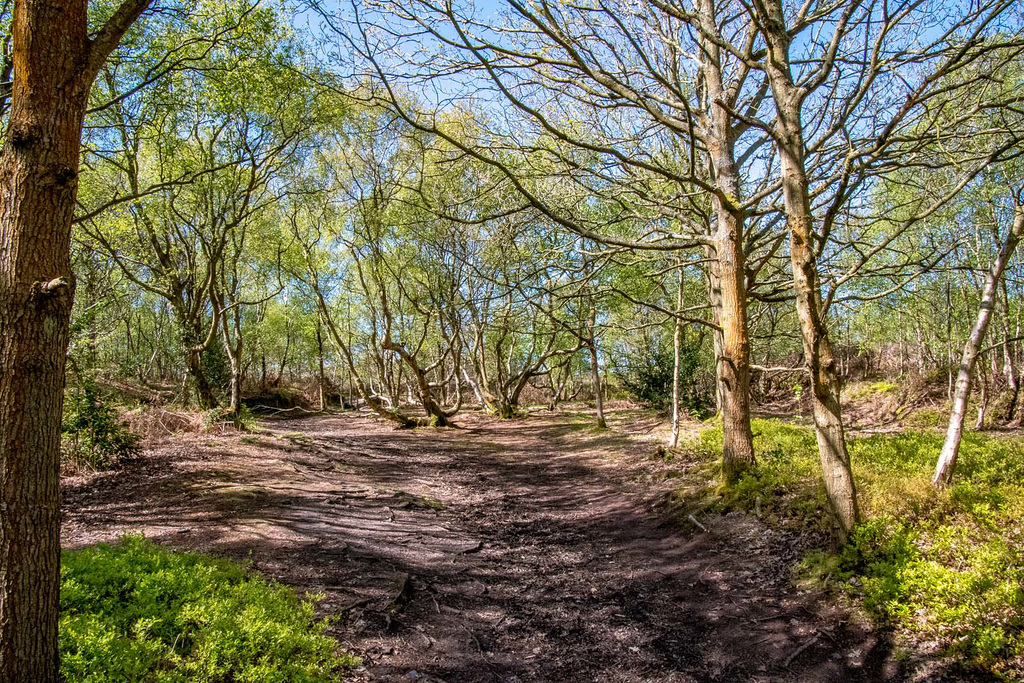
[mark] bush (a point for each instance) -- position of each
(646, 375)
(945, 565)
(93, 433)
(137, 612)
(242, 419)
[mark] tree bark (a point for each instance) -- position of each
(595, 368)
(321, 379)
(946, 464)
(197, 373)
(733, 366)
(983, 403)
(54, 66)
(677, 343)
(1009, 366)
(233, 342)
(435, 414)
(729, 276)
(818, 354)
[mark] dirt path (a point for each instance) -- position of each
(503, 551)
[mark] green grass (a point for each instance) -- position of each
(939, 565)
(923, 418)
(135, 611)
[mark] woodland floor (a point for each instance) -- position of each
(525, 550)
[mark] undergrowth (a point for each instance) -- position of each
(943, 565)
(137, 612)
(93, 435)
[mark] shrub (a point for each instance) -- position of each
(242, 419)
(93, 433)
(137, 612)
(646, 375)
(883, 387)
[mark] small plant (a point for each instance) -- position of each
(137, 612)
(93, 433)
(883, 387)
(242, 419)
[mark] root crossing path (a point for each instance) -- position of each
(512, 551)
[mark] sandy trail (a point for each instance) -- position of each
(502, 551)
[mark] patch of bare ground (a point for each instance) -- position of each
(522, 550)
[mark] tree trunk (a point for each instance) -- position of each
(476, 391)
(1009, 366)
(946, 465)
(197, 374)
(729, 275)
(232, 341)
(595, 369)
(677, 343)
(950, 382)
(828, 422)
(54, 65)
(818, 354)
(733, 367)
(982, 404)
(595, 374)
(284, 356)
(320, 357)
(435, 414)
(393, 414)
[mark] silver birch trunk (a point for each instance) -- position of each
(946, 464)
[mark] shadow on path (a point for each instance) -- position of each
(504, 551)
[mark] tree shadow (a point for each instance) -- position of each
(538, 567)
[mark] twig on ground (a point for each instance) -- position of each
(796, 652)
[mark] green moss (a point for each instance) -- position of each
(137, 612)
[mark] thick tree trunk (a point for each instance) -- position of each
(946, 465)
(198, 379)
(828, 422)
(54, 64)
(818, 354)
(733, 369)
(729, 275)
